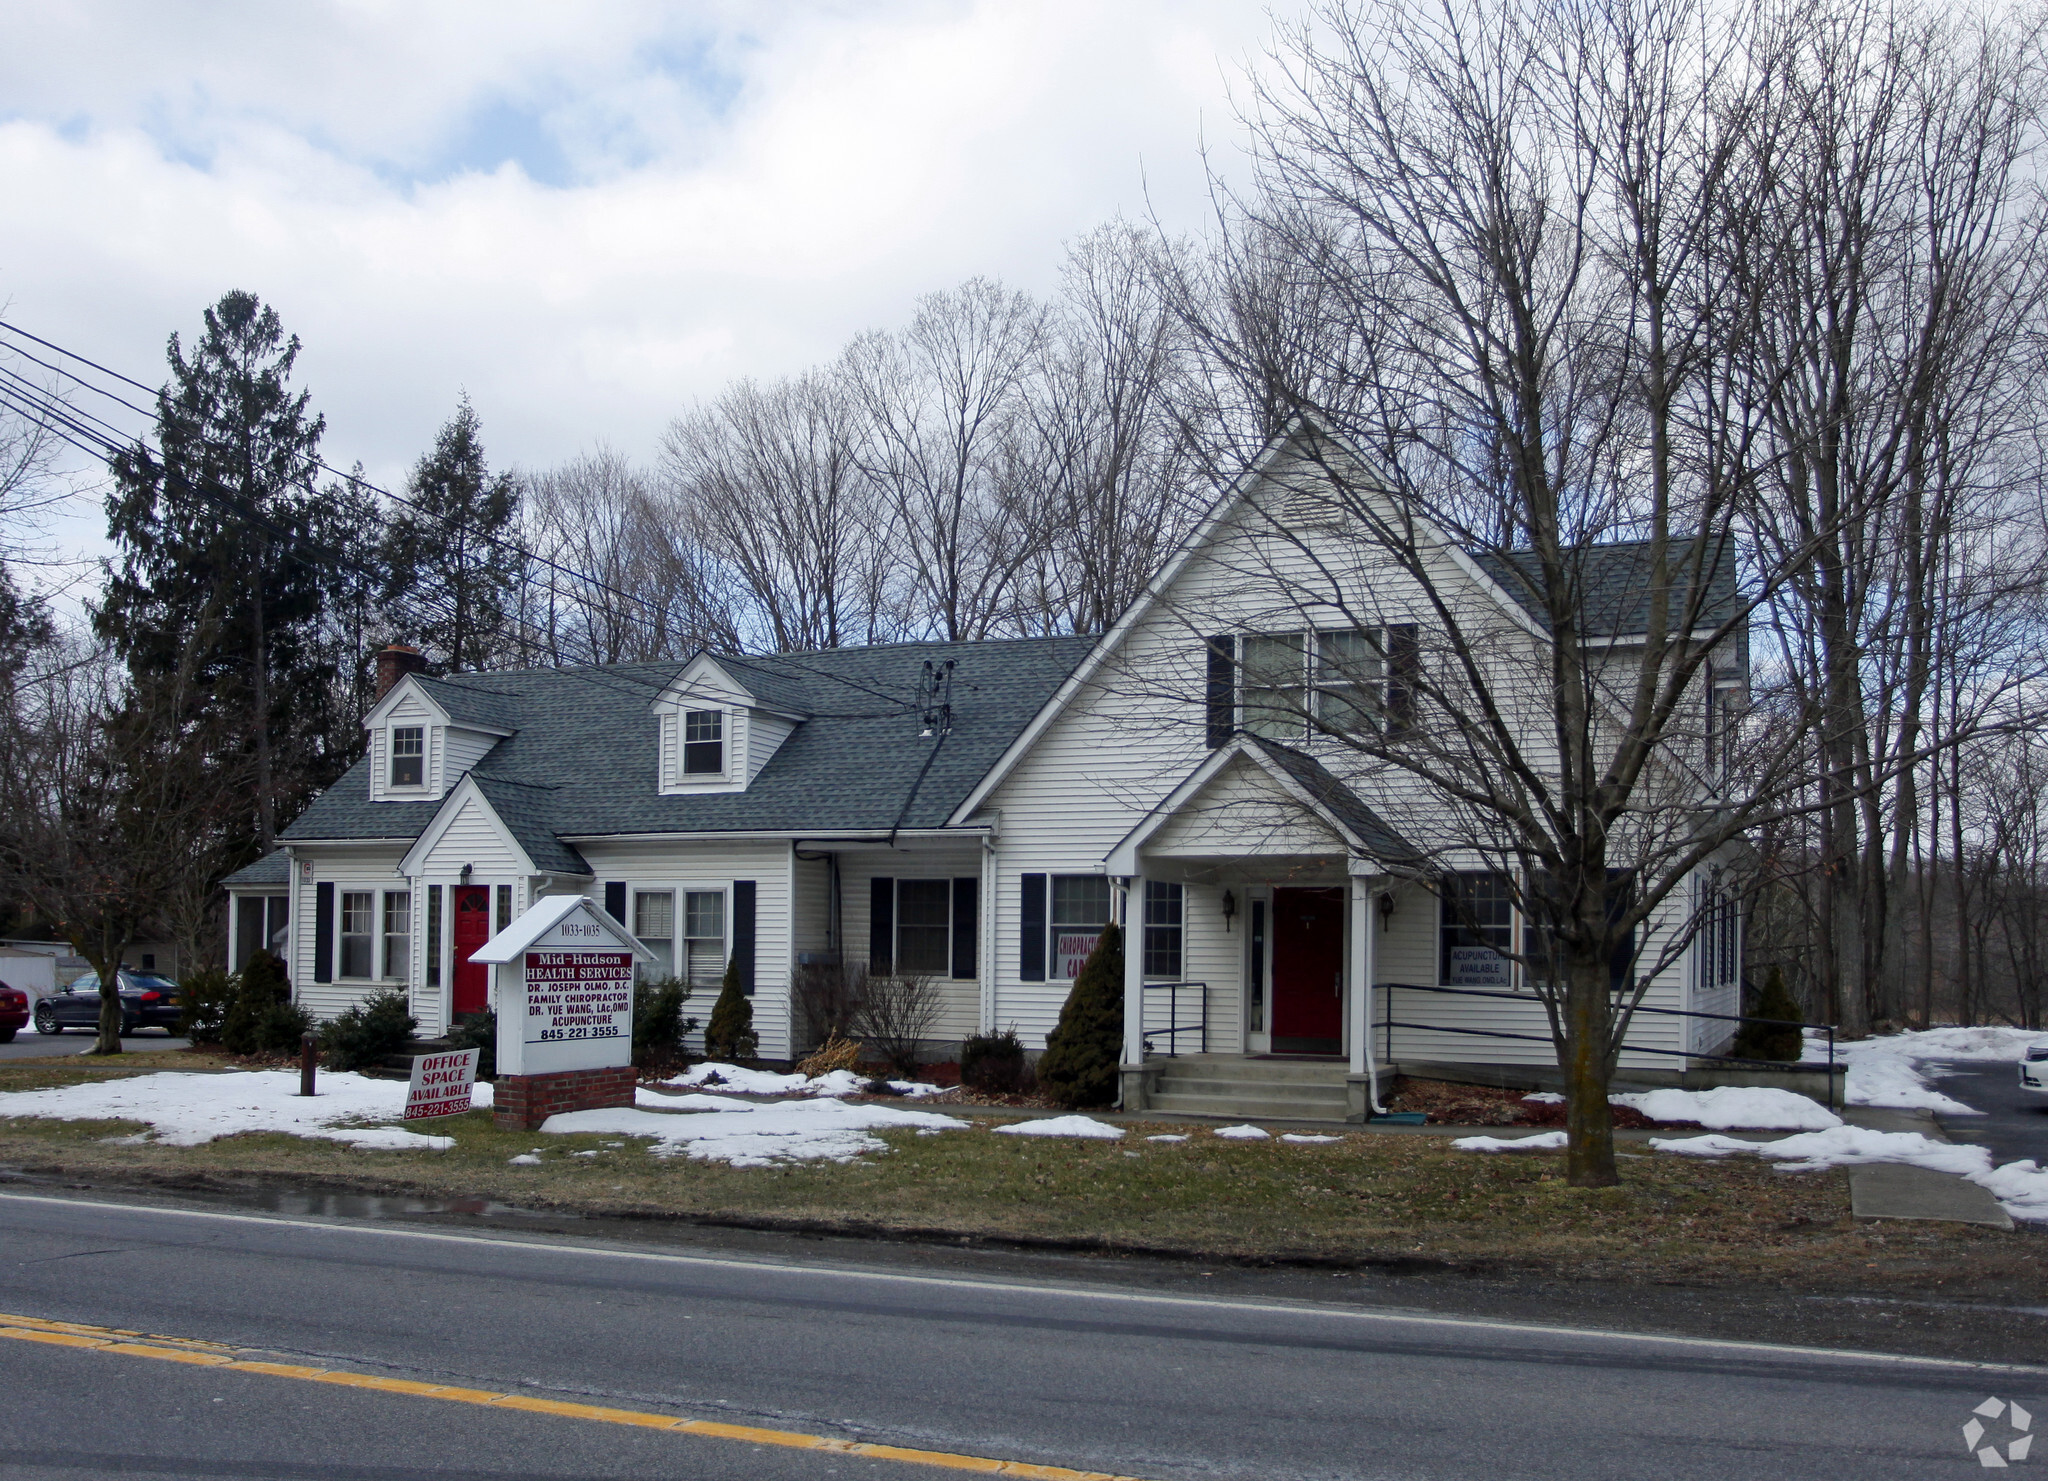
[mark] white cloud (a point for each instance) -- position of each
(585, 216)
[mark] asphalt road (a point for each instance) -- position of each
(28, 1044)
(2014, 1124)
(1094, 1377)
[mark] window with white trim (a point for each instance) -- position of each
(1477, 930)
(358, 932)
(703, 743)
(1080, 914)
(408, 756)
(924, 927)
(397, 934)
(703, 937)
(654, 922)
(1164, 923)
(1336, 681)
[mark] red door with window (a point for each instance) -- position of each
(472, 929)
(1308, 971)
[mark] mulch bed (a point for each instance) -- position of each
(1448, 1104)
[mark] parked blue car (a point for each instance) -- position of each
(147, 1001)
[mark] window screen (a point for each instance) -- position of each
(703, 743)
(408, 756)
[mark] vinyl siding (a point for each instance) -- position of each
(458, 752)
(961, 1014)
(373, 870)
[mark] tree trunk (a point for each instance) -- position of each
(1589, 1120)
(259, 660)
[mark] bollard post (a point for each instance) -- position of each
(306, 1063)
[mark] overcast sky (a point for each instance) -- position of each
(584, 215)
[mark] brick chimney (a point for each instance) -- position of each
(394, 663)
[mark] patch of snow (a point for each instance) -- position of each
(188, 1110)
(1167, 1136)
(1545, 1098)
(1242, 1133)
(482, 1096)
(2022, 1187)
(524, 1159)
(739, 1080)
(1733, 1108)
(1542, 1141)
(753, 1133)
(1081, 1126)
(1306, 1140)
(1886, 1070)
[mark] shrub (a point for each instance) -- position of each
(367, 1033)
(897, 1013)
(995, 1063)
(1769, 1040)
(834, 1054)
(205, 998)
(658, 1022)
(262, 1018)
(731, 1038)
(478, 1031)
(828, 998)
(1083, 1053)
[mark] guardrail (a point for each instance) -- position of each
(1174, 1027)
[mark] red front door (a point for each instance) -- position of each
(472, 929)
(1308, 971)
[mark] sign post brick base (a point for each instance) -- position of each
(522, 1102)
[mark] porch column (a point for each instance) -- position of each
(1133, 1068)
(1360, 968)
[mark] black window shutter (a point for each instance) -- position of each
(743, 932)
(323, 932)
(1031, 943)
(1222, 690)
(615, 901)
(881, 925)
(966, 926)
(1404, 666)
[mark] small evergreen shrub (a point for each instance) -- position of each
(204, 999)
(478, 1031)
(658, 1023)
(262, 1019)
(1083, 1053)
(366, 1033)
(995, 1064)
(1769, 1040)
(730, 1037)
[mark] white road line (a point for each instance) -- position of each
(1022, 1288)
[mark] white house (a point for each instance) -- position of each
(976, 812)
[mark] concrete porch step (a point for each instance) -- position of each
(1256, 1071)
(1307, 1093)
(1247, 1107)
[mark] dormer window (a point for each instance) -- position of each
(703, 743)
(409, 756)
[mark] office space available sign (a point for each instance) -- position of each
(442, 1084)
(575, 994)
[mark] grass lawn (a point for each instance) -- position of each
(1365, 1199)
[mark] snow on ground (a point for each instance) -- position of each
(2021, 1186)
(1295, 1136)
(1242, 1133)
(1733, 1107)
(1886, 1070)
(1545, 1098)
(1170, 1136)
(1542, 1141)
(740, 1080)
(1083, 1126)
(186, 1109)
(715, 1128)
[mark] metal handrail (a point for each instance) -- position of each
(1174, 1027)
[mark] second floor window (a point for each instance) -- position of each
(409, 756)
(703, 743)
(1292, 686)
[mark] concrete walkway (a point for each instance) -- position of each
(1893, 1191)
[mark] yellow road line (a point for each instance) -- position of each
(128, 1344)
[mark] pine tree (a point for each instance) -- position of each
(1771, 1040)
(1085, 1050)
(448, 551)
(730, 1036)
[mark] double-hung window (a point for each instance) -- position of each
(1080, 914)
(358, 932)
(654, 922)
(703, 937)
(1350, 673)
(1164, 911)
(703, 743)
(1478, 930)
(408, 756)
(1341, 681)
(397, 934)
(1275, 686)
(924, 927)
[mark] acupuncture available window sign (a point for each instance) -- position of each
(442, 1084)
(574, 994)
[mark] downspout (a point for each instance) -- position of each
(1369, 957)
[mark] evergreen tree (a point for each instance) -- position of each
(730, 1035)
(227, 542)
(1085, 1049)
(1771, 1040)
(449, 550)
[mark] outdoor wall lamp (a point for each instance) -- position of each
(1229, 908)
(466, 868)
(1386, 909)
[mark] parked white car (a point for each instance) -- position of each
(2034, 1070)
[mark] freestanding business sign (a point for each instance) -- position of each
(562, 985)
(442, 1084)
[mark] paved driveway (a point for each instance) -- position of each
(2015, 1123)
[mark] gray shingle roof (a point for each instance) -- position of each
(272, 871)
(1614, 584)
(528, 812)
(475, 699)
(584, 747)
(1328, 792)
